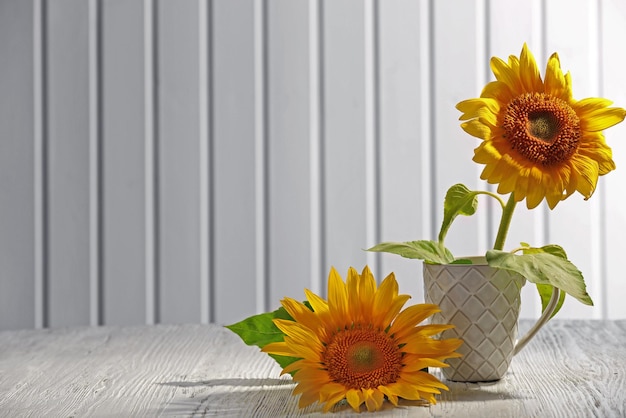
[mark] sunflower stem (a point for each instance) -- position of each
(505, 222)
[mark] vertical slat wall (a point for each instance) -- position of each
(179, 91)
(612, 215)
(238, 165)
(198, 161)
(68, 176)
(18, 148)
(291, 141)
(404, 115)
(123, 161)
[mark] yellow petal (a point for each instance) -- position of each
(586, 175)
(498, 91)
(318, 304)
(429, 347)
(404, 390)
(555, 83)
(332, 393)
(508, 175)
(590, 104)
(391, 396)
(300, 313)
(432, 329)
(529, 72)
(387, 291)
(279, 348)
(307, 398)
(411, 316)
(472, 108)
(505, 74)
(419, 363)
(355, 398)
(337, 298)
(601, 119)
(536, 192)
(352, 284)
(596, 149)
(392, 311)
(425, 381)
(367, 292)
(373, 399)
(476, 128)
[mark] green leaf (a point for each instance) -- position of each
(428, 251)
(462, 261)
(459, 201)
(543, 268)
(260, 330)
(545, 292)
(550, 249)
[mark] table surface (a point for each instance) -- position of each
(570, 369)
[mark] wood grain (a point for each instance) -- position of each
(571, 369)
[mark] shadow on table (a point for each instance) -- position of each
(271, 397)
(230, 382)
(251, 397)
(477, 392)
(236, 397)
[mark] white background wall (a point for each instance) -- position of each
(196, 161)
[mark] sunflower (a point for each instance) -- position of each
(539, 142)
(359, 346)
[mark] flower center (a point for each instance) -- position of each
(363, 358)
(542, 128)
(543, 125)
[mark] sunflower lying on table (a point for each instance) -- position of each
(359, 345)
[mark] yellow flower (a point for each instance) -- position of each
(538, 142)
(359, 346)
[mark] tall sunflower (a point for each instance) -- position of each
(538, 141)
(360, 346)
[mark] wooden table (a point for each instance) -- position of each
(570, 369)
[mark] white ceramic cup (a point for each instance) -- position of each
(483, 303)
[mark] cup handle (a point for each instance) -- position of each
(545, 317)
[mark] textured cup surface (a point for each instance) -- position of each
(483, 304)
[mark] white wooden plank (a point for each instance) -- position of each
(238, 209)
(178, 163)
(574, 35)
(123, 160)
(405, 175)
(512, 24)
(196, 370)
(289, 143)
(345, 129)
(68, 162)
(17, 169)
(613, 31)
(459, 73)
